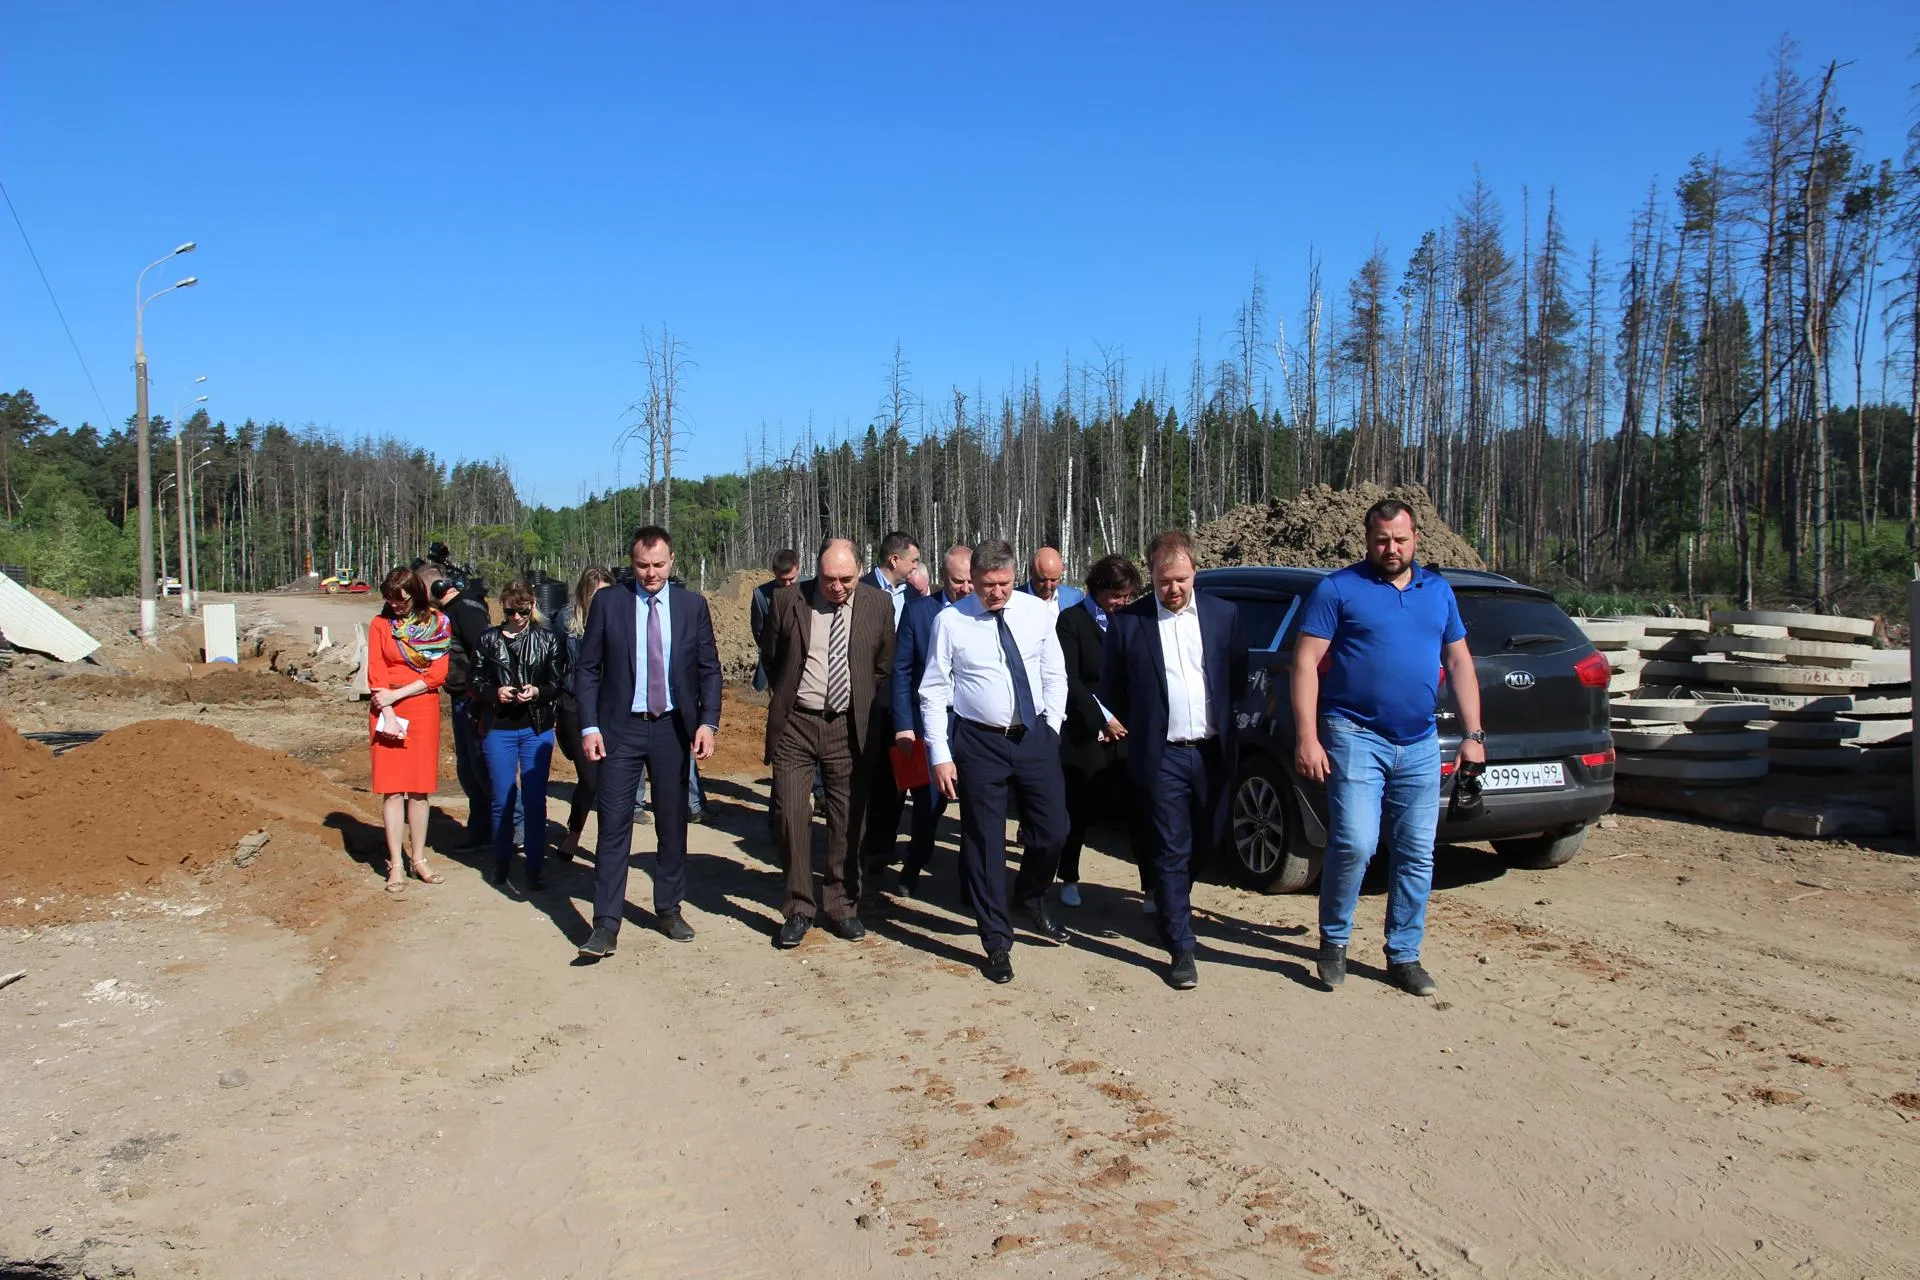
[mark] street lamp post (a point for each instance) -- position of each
(149, 611)
(184, 484)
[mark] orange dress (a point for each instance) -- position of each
(411, 766)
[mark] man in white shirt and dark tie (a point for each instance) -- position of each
(996, 661)
(1175, 664)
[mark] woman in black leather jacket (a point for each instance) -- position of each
(516, 687)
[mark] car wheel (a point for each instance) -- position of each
(1265, 852)
(1542, 852)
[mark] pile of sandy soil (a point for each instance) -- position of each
(218, 684)
(162, 799)
(1325, 528)
(731, 604)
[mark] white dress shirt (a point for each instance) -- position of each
(898, 590)
(967, 668)
(1186, 672)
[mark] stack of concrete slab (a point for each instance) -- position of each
(1690, 740)
(1835, 703)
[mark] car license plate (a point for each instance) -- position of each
(1522, 777)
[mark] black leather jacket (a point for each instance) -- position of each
(533, 657)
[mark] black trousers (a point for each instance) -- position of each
(884, 803)
(990, 766)
(586, 792)
(661, 749)
(928, 805)
(1187, 815)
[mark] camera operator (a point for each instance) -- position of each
(470, 621)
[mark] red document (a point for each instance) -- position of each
(910, 765)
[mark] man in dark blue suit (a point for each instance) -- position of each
(648, 686)
(1174, 666)
(896, 559)
(910, 649)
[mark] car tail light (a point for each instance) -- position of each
(1593, 760)
(1447, 767)
(1594, 670)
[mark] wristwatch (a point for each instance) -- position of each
(1479, 736)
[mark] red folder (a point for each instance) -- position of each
(910, 765)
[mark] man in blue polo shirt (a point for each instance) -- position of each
(1380, 632)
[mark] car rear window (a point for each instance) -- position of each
(1512, 622)
(1261, 617)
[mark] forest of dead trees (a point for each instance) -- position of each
(1715, 396)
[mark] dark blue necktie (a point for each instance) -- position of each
(1022, 691)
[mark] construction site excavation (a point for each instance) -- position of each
(1692, 1050)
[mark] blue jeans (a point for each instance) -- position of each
(470, 767)
(1369, 773)
(524, 757)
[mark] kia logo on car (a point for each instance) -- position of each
(1519, 679)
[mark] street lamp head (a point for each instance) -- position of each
(197, 381)
(188, 247)
(188, 283)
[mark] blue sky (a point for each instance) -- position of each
(450, 223)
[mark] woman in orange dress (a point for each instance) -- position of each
(407, 648)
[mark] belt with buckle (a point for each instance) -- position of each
(819, 712)
(1013, 731)
(651, 715)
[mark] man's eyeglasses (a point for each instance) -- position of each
(517, 613)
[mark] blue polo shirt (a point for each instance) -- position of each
(1382, 669)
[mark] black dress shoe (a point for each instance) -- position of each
(602, 942)
(1039, 918)
(499, 873)
(535, 881)
(848, 927)
(1185, 974)
(794, 931)
(676, 927)
(999, 967)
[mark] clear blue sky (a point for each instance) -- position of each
(451, 222)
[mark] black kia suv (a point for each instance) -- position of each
(1543, 703)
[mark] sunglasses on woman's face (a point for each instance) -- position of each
(517, 613)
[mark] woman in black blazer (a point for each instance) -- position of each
(1092, 743)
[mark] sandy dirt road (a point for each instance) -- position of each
(1694, 1052)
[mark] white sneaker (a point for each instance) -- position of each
(1069, 895)
(1148, 906)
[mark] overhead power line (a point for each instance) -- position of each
(106, 415)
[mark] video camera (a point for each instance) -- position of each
(439, 559)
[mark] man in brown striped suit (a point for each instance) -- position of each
(828, 652)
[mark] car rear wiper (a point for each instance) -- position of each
(1534, 637)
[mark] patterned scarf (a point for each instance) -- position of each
(422, 640)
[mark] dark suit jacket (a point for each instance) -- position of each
(912, 646)
(762, 607)
(1134, 680)
(872, 577)
(1085, 646)
(603, 686)
(783, 651)
(758, 611)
